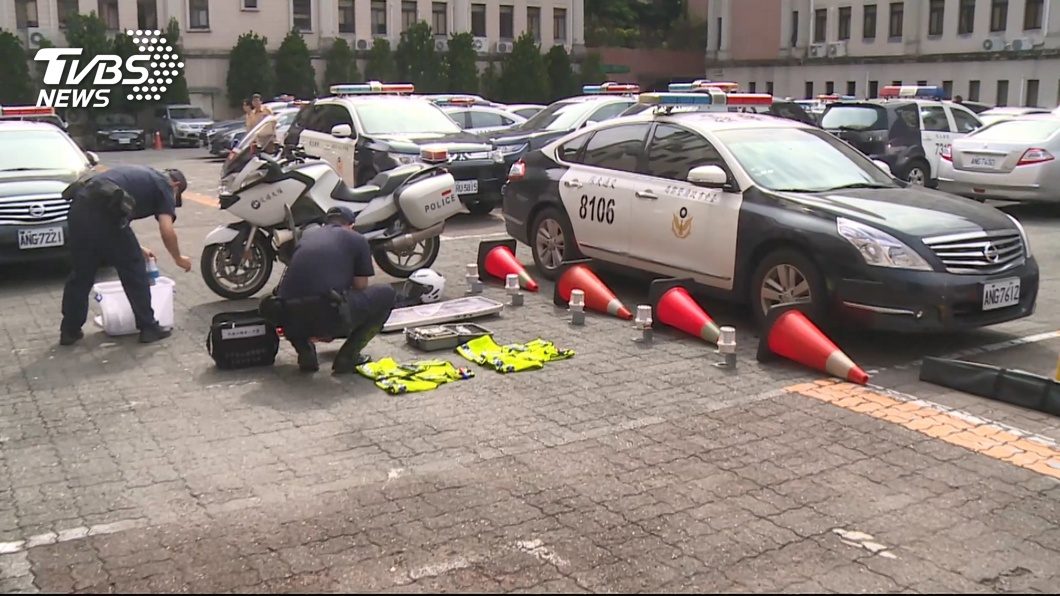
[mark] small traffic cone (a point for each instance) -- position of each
(672, 305)
(575, 275)
(497, 258)
(158, 141)
(789, 334)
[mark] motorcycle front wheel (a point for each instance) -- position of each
(236, 282)
(404, 263)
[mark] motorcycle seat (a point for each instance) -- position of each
(390, 180)
(363, 194)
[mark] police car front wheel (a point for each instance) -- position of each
(786, 276)
(553, 242)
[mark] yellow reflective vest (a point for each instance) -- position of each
(412, 377)
(512, 357)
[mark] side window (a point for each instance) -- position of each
(964, 120)
(481, 119)
(330, 116)
(462, 118)
(160, 113)
(608, 112)
(617, 148)
(674, 151)
(568, 151)
(934, 118)
(315, 121)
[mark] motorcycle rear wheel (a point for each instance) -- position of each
(258, 266)
(402, 265)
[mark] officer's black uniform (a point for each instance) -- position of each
(99, 236)
(327, 260)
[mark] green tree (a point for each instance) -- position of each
(294, 67)
(248, 69)
(417, 61)
(120, 95)
(490, 80)
(560, 74)
(14, 71)
(524, 78)
(176, 91)
(592, 69)
(341, 65)
(88, 32)
(462, 64)
(40, 67)
(380, 66)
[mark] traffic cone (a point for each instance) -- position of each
(497, 258)
(672, 305)
(789, 334)
(575, 275)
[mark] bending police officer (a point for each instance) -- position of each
(100, 212)
(335, 258)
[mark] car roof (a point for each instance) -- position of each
(22, 125)
(374, 98)
(1016, 110)
(715, 120)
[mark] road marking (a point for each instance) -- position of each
(863, 540)
(540, 551)
(70, 534)
(956, 427)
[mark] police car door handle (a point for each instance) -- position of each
(647, 194)
(572, 183)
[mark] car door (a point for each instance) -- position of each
(597, 189)
(683, 229)
(342, 150)
(310, 134)
(935, 133)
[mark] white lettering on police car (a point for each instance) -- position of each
(603, 181)
(439, 204)
(692, 194)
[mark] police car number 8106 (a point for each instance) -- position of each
(597, 209)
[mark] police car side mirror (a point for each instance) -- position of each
(342, 131)
(708, 177)
(883, 166)
(93, 158)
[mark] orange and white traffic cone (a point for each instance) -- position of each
(789, 334)
(598, 297)
(158, 141)
(497, 259)
(674, 306)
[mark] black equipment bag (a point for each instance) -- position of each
(242, 340)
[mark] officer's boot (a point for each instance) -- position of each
(350, 356)
(307, 355)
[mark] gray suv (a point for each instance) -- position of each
(181, 124)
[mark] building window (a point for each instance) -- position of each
(26, 14)
(998, 16)
(378, 17)
(973, 90)
(769, 87)
(852, 87)
(829, 87)
(896, 83)
(66, 9)
(874, 89)
(897, 24)
(966, 17)
(1002, 94)
(533, 22)
(947, 86)
(717, 36)
(198, 14)
(820, 25)
(868, 24)
(752, 87)
(478, 20)
(921, 83)
(408, 15)
(559, 24)
(844, 23)
(108, 11)
(794, 28)
(936, 14)
(507, 21)
(250, 4)
(440, 18)
(1030, 98)
(302, 11)
(1032, 14)
(347, 14)
(809, 89)
(146, 14)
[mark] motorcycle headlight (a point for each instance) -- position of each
(404, 158)
(1023, 235)
(879, 248)
(510, 149)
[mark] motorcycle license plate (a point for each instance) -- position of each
(466, 187)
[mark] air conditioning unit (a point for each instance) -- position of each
(1022, 44)
(818, 50)
(441, 45)
(837, 49)
(504, 47)
(994, 44)
(480, 44)
(34, 38)
(364, 44)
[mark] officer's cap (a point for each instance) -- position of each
(341, 213)
(182, 183)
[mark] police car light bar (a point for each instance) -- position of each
(725, 86)
(922, 91)
(749, 99)
(26, 111)
(372, 87)
(610, 88)
(682, 99)
(455, 101)
(434, 153)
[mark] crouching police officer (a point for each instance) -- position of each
(101, 208)
(334, 260)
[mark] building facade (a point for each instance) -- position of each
(1004, 52)
(210, 28)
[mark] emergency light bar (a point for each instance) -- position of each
(712, 97)
(610, 88)
(372, 87)
(455, 101)
(922, 91)
(434, 153)
(26, 111)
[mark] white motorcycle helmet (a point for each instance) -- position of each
(433, 283)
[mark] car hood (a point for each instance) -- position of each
(42, 182)
(912, 211)
(120, 128)
(459, 142)
(518, 138)
(195, 122)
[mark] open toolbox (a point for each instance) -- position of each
(443, 337)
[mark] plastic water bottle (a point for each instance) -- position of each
(152, 270)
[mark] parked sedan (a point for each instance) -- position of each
(119, 131)
(1010, 160)
(1007, 113)
(479, 119)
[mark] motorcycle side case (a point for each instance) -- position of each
(443, 337)
(430, 201)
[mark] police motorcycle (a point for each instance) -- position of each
(401, 212)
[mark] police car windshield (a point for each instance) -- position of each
(558, 116)
(800, 160)
(187, 114)
(851, 117)
(27, 150)
(413, 117)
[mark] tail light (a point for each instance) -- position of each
(1033, 156)
(947, 153)
(517, 171)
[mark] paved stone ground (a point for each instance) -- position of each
(129, 468)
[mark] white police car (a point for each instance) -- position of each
(764, 210)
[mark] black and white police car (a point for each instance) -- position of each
(365, 129)
(763, 210)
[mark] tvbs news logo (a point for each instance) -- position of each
(144, 76)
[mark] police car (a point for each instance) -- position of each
(768, 211)
(475, 117)
(32, 114)
(907, 128)
(365, 129)
(782, 108)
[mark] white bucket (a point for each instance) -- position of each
(116, 316)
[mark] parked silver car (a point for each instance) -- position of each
(181, 124)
